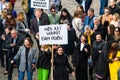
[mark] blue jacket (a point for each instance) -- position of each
(89, 21)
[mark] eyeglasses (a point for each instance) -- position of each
(52, 11)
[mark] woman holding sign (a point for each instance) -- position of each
(43, 63)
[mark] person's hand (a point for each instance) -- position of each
(116, 59)
(37, 36)
(51, 60)
(27, 30)
(12, 61)
(99, 51)
(73, 73)
(13, 45)
(85, 49)
(33, 66)
(3, 37)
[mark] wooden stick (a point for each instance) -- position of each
(52, 63)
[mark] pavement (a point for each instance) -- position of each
(70, 5)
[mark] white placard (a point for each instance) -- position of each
(43, 4)
(53, 34)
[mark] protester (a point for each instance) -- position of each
(53, 16)
(10, 7)
(114, 63)
(5, 37)
(22, 26)
(65, 15)
(13, 44)
(62, 66)
(89, 19)
(41, 18)
(77, 23)
(27, 56)
(43, 63)
(80, 58)
(106, 18)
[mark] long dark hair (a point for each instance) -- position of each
(68, 16)
(10, 22)
(113, 49)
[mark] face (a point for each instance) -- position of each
(98, 38)
(53, 11)
(38, 13)
(111, 2)
(106, 12)
(87, 31)
(26, 43)
(60, 51)
(117, 33)
(9, 16)
(7, 31)
(8, 6)
(89, 13)
(83, 39)
(64, 13)
(95, 21)
(13, 34)
(78, 8)
(114, 18)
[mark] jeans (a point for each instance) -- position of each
(86, 5)
(21, 75)
(103, 4)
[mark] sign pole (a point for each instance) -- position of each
(52, 58)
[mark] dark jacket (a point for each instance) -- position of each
(81, 56)
(96, 47)
(19, 42)
(62, 67)
(44, 59)
(89, 21)
(116, 9)
(102, 67)
(1, 32)
(69, 48)
(44, 20)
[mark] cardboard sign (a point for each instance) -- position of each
(43, 4)
(53, 34)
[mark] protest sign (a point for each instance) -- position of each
(43, 4)
(53, 34)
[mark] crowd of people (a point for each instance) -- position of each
(92, 52)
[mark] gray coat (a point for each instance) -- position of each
(31, 58)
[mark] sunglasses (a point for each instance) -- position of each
(52, 11)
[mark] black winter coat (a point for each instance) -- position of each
(44, 59)
(79, 60)
(96, 47)
(62, 67)
(69, 48)
(19, 42)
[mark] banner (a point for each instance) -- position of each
(43, 4)
(53, 34)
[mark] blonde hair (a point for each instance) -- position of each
(10, 5)
(116, 15)
(77, 13)
(20, 16)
